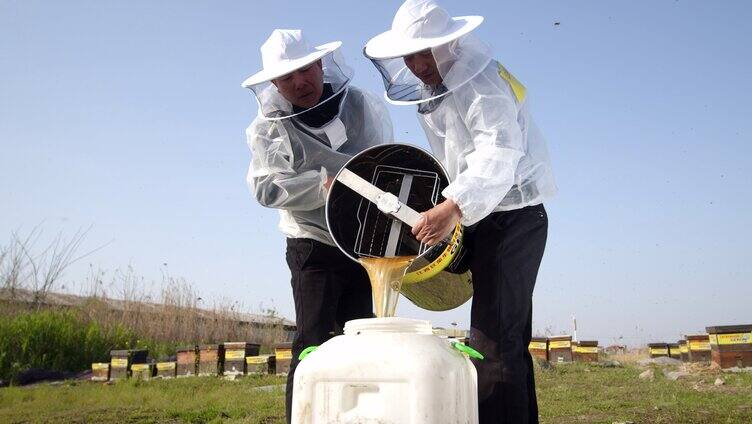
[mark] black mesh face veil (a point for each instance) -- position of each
(398, 88)
(457, 62)
(431, 105)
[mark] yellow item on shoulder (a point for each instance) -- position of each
(519, 90)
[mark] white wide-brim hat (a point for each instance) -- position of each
(419, 25)
(286, 51)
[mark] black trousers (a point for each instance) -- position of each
(329, 289)
(507, 248)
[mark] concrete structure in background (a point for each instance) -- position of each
(615, 349)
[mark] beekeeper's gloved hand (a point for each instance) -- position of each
(436, 223)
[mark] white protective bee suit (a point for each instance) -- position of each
(294, 150)
(291, 159)
(477, 122)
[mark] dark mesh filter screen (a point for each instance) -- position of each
(375, 227)
(358, 226)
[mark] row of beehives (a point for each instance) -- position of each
(562, 349)
(728, 346)
(233, 359)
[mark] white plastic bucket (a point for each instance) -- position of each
(386, 370)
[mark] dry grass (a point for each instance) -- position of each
(631, 356)
(175, 314)
(158, 315)
(162, 314)
(163, 323)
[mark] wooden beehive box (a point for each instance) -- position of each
(658, 350)
(119, 364)
(587, 351)
(187, 359)
(235, 354)
(731, 345)
(283, 357)
(167, 369)
(210, 357)
(684, 349)
(121, 361)
(574, 350)
(100, 371)
(261, 364)
(674, 351)
(560, 349)
(699, 347)
(538, 347)
(142, 371)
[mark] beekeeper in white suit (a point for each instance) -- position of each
(310, 122)
(475, 116)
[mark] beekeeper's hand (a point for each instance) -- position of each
(436, 223)
(328, 182)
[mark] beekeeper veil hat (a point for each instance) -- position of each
(420, 26)
(285, 51)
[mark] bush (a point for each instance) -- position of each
(58, 340)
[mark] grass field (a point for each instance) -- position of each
(184, 400)
(574, 393)
(591, 394)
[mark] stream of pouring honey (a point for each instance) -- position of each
(386, 280)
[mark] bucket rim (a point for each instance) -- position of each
(387, 325)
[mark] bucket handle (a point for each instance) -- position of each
(457, 345)
(468, 350)
(306, 351)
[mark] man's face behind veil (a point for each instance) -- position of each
(423, 66)
(302, 87)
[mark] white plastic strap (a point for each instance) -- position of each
(386, 202)
(336, 133)
(396, 227)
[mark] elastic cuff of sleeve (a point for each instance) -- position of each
(449, 193)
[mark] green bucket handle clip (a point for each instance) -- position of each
(306, 351)
(468, 350)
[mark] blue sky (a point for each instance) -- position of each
(129, 117)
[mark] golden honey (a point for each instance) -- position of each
(386, 280)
